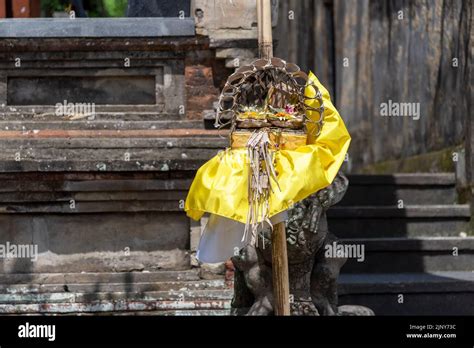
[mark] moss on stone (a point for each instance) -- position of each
(431, 162)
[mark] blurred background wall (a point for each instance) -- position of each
(368, 52)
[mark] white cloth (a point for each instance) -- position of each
(222, 238)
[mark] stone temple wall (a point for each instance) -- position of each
(103, 189)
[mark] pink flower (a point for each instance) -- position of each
(290, 109)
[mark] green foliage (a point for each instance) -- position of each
(106, 8)
(96, 8)
(50, 6)
(115, 8)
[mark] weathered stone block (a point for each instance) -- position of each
(97, 242)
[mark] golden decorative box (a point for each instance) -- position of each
(279, 139)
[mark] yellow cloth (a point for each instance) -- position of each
(220, 185)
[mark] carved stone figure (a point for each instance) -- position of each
(313, 277)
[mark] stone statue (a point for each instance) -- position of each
(313, 277)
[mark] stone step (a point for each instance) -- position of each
(348, 217)
(403, 179)
(98, 278)
(165, 140)
(409, 189)
(65, 134)
(102, 163)
(434, 293)
(64, 207)
(115, 184)
(101, 124)
(111, 306)
(108, 150)
(106, 287)
(140, 293)
(425, 254)
(171, 293)
(96, 297)
(184, 312)
(393, 222)
(409, 211)
(34, 198)
(106, 155)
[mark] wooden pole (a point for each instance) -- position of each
(281, 287)
(264, 21)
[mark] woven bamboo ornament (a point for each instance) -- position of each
(266, 105)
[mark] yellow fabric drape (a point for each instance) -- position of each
(220, 185)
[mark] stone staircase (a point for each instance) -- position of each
(131, 203)
(130, 293)
(409, 224)
(419, 252)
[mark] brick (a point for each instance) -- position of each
(26, 8)
(3, 9)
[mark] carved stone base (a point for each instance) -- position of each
(351, 310)
(312, 275)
